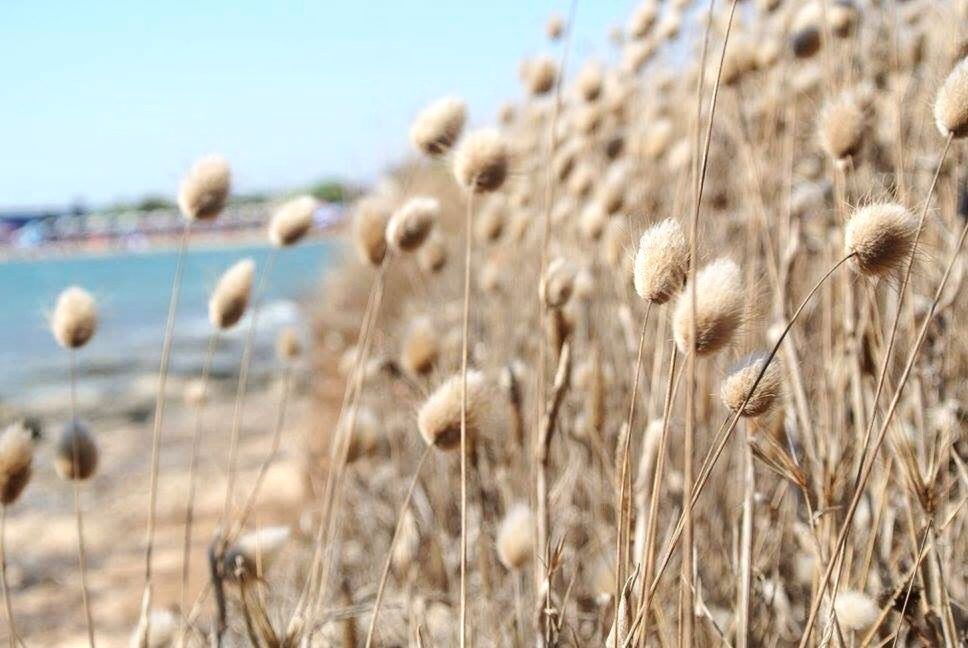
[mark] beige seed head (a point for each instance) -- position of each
(590, 81)
(514, 537)
(439, 418)
(288, 345)
(740, 381)
(719, 309)
(421, 348)
(75, 318)
(438, 126)
(555, 27)
(557, 284)
(16, 460)
(205, 190)
(292, 220)
(539, 75)
(369, 229)
(489, 224)
(614, 243)
(75, 438)
(230, 298)
(643, 18)
(842, 125)
(951, 104)
(481, 161)
(593, 221)
(661, 262)
(881, 237)
(433, 255)
(856, 610)
(254, 552)
(842, 16)
(410, 225)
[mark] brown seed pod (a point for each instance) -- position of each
(437, 127)
(740, 381)
(75, 438)
(205, 190)
(230, 298)
(643, 18)
(881, 237)
(590, 81)
(16, 461)
(75, 318)
(555, 27)
(481, 161)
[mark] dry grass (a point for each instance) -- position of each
(750, 433)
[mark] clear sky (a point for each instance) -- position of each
(113, 99)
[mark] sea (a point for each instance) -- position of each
(132, 292)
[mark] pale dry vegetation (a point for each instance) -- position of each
(670, 355)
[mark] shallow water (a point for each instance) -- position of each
(132, 291)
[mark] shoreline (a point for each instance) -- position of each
(167, 244)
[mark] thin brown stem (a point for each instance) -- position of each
(393, 540)
(468, 248)
(7, 604)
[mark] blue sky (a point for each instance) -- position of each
(111, 100)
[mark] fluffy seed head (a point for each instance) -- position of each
(842, 16)
(288, 344)
(740, 380)
(421, 348)
(230, 298)
(719, 309)
(481, 161)
(557, 284)
(856, 610)
(539, 75)
(433, 255)
(593, 221)
(369, 229)
(75, 318)
(75, 438)
(292, 221)
(555, 27)
(514, 537)
(489, 224)
(439, 416)
(661, 262)
(643, 18)
(880, 236)
(410, 225)
(205, 190)
(951, 104)
(842, 125)
(438, 126)
(254, 552)
(16, 459)
(590, 80)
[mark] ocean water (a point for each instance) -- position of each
(132, 291)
